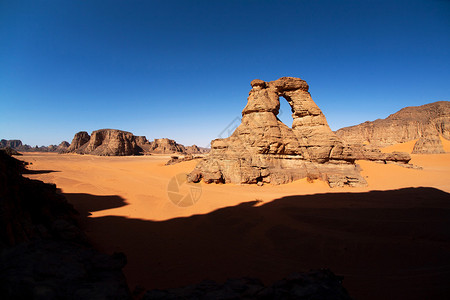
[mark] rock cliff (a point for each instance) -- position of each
(166, 146)
(408, 124)
(428, 144)
(264, 150)
(105, 142)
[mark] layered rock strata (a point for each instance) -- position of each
(428, 144)
(408, 124)
(264, 150)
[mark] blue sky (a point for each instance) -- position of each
(182, 69)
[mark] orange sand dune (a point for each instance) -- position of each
(383, 243)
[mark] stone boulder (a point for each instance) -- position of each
(262, 149)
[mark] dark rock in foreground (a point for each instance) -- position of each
(322, 284)
(10, 151)
(43, 252)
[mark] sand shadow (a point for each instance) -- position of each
(387, 244)
(85, 204)
(28, 171)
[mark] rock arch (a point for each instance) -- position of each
(264, 149)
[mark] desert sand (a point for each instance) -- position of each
(387, 244)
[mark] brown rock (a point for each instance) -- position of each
(263, 149)
(408, 124)
(79, 140)
(105, 142)
(428, 144)
(166, 146)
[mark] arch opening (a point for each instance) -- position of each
(286, 111)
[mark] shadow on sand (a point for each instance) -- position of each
(387, 244)
(28, 171)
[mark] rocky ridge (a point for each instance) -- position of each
(113, 142)
(18, 146)
(426, 122)
(262, 149)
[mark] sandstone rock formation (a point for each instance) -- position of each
(105, 142)
(408, 124)
(10, 151)
(62, 147)
(194, 149)
(263, 149)
(166, 146)
(18, 146)
(428, 144)
(43, 252)
(14, 144)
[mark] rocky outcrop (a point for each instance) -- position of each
(62, 147)
(14, 144)
(18, 146)
(79, 140)
(428, 144)
(408, 124)
(264, 150)
(166, 146)
(194, 149)
(321, 284)
(105, 142)
(43, 252)
(10, 151)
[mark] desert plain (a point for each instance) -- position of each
(389, 240)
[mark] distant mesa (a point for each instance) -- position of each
(264, 150)
(18, 146)
(113, 142)
(426, 123)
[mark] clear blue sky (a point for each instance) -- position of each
(182, 69)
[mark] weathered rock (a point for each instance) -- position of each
(10, 151)
(321, 284)
(62, 147)
(80, 139)
(263, 149)
(408, 124)
(175, 159)
(194, 149)
(428, 144)
(14, 144)
(166, 146)
(105, 142)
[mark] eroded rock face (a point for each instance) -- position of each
(263, 149)
(166, 146)
(408, 124)
(428, 144)
(105, 142)
(80, 139)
